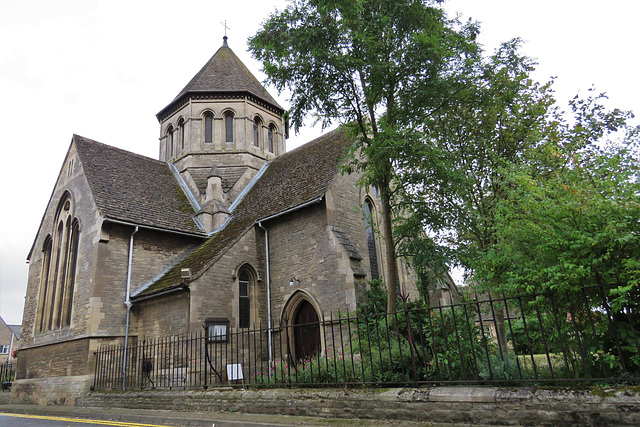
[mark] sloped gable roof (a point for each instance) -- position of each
(133, 188)
(297, 177)
(16, 329)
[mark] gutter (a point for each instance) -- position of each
(246, 189)
(286, 211)
(149, 227)
(178, 288)
(185, 188)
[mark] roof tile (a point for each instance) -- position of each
(224, 72)
(290, 180)
(134, 188)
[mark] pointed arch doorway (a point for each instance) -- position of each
(306, 331)
(303, 338)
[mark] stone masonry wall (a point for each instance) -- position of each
(301, 247)
(345, 201)
(524, 406)
(153, 251)
(163, 316)
(215, 293)
(68, 358)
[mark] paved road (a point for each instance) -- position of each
(21, 420)
(16, 415)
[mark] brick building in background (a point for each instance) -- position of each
(225, 230)
(9, 341)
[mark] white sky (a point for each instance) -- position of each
(103, 69)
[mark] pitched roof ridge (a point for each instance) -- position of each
(86, 140)
(313, 142)
(134, 188)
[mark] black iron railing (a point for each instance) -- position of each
(588, 336)
(7, 374)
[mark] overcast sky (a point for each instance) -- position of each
(103, 69)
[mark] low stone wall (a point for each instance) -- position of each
(51, 391)
(471, 405)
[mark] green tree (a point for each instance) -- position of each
(460, 153)
(359, 63)
(571, 224)
(455, 176)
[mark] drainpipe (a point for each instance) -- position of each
(128, 304)
(269, 326)
(10, 347)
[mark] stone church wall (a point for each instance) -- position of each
(161, 317)
(215, 293)
(345, 201)
(55, 360)
(153, 251)
(300, 247)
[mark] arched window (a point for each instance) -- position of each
(272, 131)
(70, 281)
(170, 142)
(228, 127)
(181, 133)
(208, 127)
(57, 284)
(44, 280)
(371, 240)
(244, 302)
(257, 127)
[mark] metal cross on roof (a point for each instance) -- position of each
(225, 27)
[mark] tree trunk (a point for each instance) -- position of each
(501, 327)
(390, 270)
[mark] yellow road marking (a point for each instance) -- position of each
(80, 420)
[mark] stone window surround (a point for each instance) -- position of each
(60, 254)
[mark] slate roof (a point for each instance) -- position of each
(225, 73)
(16, 329)
(297, 177)
(133, 188)
(228, 174)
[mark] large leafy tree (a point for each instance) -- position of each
(572, 217)
(455, 175)
(570, 223)
(360, 63)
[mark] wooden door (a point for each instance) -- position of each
(306, 331)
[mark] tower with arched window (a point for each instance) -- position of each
(225, 118)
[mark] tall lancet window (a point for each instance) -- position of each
(371, 240)
(272, 132)
(170, 146)
(47, 249)
(208, 127)
(244, 303)
(257, 127)
(57, 279)
(181, 133)
(228, 127)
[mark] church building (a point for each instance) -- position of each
(224, 230)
